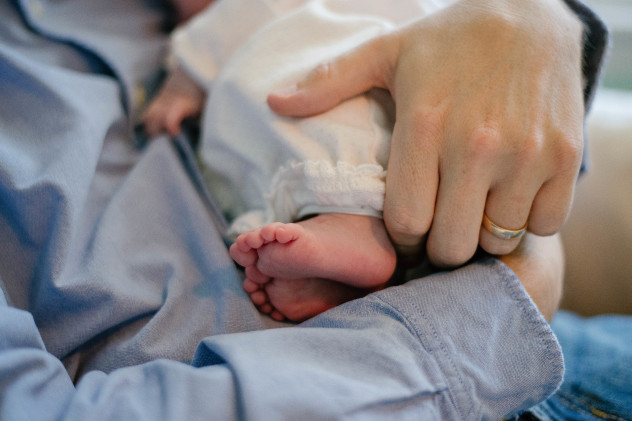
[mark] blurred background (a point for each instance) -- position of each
(598, 234)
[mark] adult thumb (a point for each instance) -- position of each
(367, 66)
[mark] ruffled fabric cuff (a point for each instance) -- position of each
(305, 188)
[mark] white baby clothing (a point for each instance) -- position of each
(262, 167)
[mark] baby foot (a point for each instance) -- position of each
(245, 249)
(245, 252)
(301, 269)
(300, 299)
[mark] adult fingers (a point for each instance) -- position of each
(551, 205)
(369, 65)
(508, 206)
(411, 184)
(481, 176)
(519, 175)
(463, 187)
(529, 198)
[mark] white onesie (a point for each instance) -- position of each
(262, 167)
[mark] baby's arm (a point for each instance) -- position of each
(538, 262)
(179, 98)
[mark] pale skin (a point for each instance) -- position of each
(497, 130)
(299, 270)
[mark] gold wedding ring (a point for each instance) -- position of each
(500, 232)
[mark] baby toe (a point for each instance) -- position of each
(256, 276)
(244, 258)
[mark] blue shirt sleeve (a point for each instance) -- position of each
(467, 344)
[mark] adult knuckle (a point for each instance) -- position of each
(545, 229)
(549, 221)
(569, 152)
(500, 247)
(321, 72)
(382, 65)
(548, 226)
(450, 255)
(405, 229)
(504, 22)
(427, 124)
(530, 149)
(484, 143)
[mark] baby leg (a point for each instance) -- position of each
(298, 270)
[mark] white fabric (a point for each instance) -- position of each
(262, 167)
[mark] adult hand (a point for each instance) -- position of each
(489, 114)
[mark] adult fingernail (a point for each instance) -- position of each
(286, 92)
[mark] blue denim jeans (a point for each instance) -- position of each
(598, 379)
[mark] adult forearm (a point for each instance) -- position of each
(539, 265)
